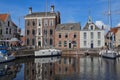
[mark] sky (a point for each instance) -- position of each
(70, 10)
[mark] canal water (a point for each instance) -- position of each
(61, 68)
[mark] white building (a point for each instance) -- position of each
(91, 36)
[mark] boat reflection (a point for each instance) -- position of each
(9, 70)
(47, 60)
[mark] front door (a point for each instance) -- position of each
(69, 45)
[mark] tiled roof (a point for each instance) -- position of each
(40, 14)
(68, 26)
(3, 17)
(114, 30)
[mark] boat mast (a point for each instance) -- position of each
(110, 23)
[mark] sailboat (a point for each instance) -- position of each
(110, 52)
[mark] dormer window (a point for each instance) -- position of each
(91, 27)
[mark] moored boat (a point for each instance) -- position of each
(112, 54)
(47, 52)
(4, 55)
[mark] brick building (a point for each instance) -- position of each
(40, 28)
(67, 36)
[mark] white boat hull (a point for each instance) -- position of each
(108, 54)
(47, 52)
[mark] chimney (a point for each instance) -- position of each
(52, 8)
(30, 10)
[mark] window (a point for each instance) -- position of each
(6, 30)
(51, 42)
(0, 24)
(60, 44)
(10, 31)
(39, 22)
(91, 35)
(59, 35)
(28, 32)
(27, 23)
(99, 35)
(91, 27)
(66, 35)
(51, 23)
(66, 69)
(33, 32)
(85, 43)
(65, 43)
(28, 41)
(45, 32)
(45, 22)
(39, 31)
(0, 31)
(51, 32)
(74, 43)
(59, 70)
(99, 43)
(33, 23)
(65, 60)
(8, 23)
(75, 35)
(85, 35)
(33, 42)
(39, 43)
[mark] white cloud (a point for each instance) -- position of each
(118, 24)
(100, 24)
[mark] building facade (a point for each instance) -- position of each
(91, 36)
(8, 28)
(112, 38)
(67, 36)
(40, 28)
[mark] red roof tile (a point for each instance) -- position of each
(3, 17)
(114, 30)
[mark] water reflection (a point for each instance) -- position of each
(9, 70)
(61, 68)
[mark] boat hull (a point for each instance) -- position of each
(48, 53)
(6, 59)
(108, 54)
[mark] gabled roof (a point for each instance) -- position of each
(89, 22)
(3, 17)
(87, 26)
(68, 26)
